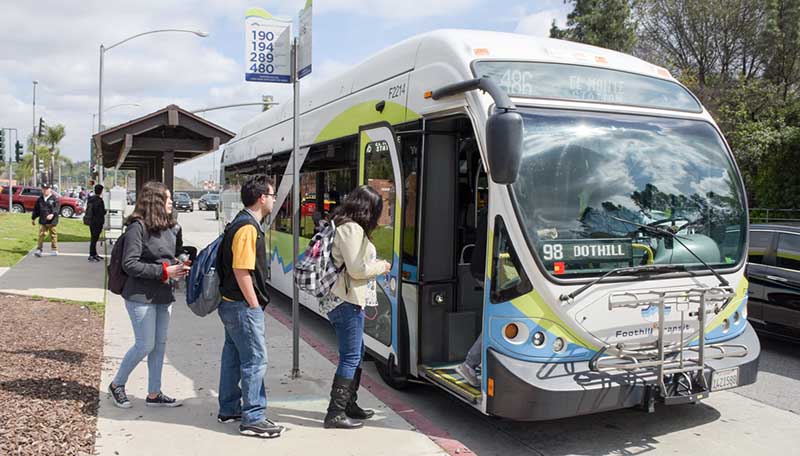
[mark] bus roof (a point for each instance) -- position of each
(457, 48)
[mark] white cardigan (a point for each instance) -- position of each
(353, 249)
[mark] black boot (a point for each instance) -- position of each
(353, 410)
(340, 396)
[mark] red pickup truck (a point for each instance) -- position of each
(23, 199)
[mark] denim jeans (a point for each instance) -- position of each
(244, 360)
(150, 324)
(474, 354)
(348, 321)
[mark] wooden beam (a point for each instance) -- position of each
(126, 147)
(138, 128)
(176, 144)
(173, 118)
(169, 170)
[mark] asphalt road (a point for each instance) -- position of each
(668, 430)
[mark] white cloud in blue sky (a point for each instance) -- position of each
(57, 42)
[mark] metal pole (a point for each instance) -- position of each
(33, 138)
(295, 215)
(100, 115)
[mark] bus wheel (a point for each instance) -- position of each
(390, 378)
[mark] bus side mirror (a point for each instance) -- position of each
(504, 145)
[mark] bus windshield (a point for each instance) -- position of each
(588, 181)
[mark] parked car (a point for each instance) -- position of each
(183, 202)
(23, 199)
(208, 202)
(773, 269)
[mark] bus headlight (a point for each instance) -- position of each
(515, 333)
(511, 330)
(558, 345)
(726, 325)
(736, 318)
(538, 339)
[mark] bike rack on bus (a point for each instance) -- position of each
(687, 382)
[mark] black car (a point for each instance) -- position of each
(773, 269)
(183, 202)
(208, 202)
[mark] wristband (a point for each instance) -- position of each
(164, 273)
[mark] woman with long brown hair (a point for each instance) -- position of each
(355, 288)
(152, 240)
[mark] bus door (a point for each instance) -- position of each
(379, 167)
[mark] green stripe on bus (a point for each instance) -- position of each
(351, 119)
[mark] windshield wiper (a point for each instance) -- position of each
(662, 232)
(648, 269)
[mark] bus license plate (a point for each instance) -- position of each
(724, 379)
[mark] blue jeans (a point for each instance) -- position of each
(348, 321)
(244, 360)
(150, 324)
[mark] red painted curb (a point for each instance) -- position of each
(376, 387)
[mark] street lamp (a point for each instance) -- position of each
(33, 132)
(103, 49)
(94, 114)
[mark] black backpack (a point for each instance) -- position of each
(116, 275)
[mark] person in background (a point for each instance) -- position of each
(47, 210)
(96, 211)
(242, 260)
(355, 288)
(149, 260)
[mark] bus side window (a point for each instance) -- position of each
(508, 278)
(410, 146)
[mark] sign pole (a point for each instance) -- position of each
(295, 214)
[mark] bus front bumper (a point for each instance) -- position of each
(530, 391)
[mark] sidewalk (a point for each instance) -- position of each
(191, 373)
(66, 276)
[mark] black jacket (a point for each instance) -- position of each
(228, 286)
(96, 207)
(43, 208)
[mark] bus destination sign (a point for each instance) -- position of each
(587, 250)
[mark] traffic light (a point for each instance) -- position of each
(2, 146)
(18, 152)
(41, 165)
(41, 126)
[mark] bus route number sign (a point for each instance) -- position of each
(267, 50)
(376, 147)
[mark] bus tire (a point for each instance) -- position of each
(390, 378)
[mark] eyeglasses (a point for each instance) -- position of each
(270, 194)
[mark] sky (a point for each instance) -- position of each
(57, 44)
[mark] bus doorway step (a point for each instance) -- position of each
(445, 376)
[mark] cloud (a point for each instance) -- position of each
(393, 10)
(538, 24)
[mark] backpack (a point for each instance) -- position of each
(202, 285)
(314, 271)
(116, 275)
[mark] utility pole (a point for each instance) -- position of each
(33, 137)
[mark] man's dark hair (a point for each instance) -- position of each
(98, 189)
(253, 188)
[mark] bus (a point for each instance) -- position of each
(574, 209)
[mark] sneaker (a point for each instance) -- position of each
(54, 253)
(119, 396)
(98, 258)
(469, 374)
(265, 429)
(92, 259)
(162, 400)
(225, 419)
(38, 252)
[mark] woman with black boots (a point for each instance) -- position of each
(355, 288)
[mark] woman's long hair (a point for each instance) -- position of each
(151, 208)
(364, 206)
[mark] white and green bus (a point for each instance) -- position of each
(574, 207)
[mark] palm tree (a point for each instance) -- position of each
(25, 168)
(52, 137)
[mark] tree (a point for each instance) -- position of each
(52, 137)
(604, 23)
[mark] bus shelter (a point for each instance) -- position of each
(153, 144)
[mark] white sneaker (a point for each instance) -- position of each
(469, 374)
(54, 253)
(38, 252)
